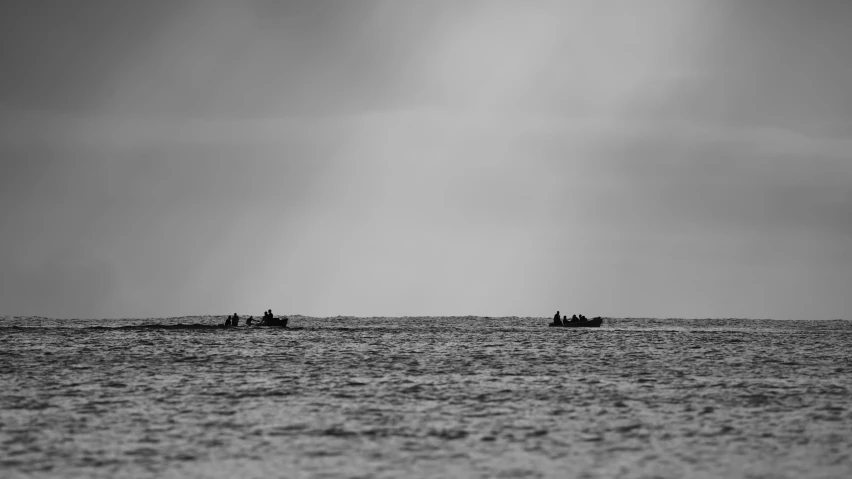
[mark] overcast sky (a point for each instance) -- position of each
(619, 158)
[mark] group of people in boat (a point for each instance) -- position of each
(557, 321)
(268, 320)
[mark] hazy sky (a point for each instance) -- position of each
(619, 158)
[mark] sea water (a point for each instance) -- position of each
(426, 397)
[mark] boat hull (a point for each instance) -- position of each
(590, 323)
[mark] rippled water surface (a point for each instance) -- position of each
(426, 397)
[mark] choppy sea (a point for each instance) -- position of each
(426, 397)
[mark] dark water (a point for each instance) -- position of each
(426, 397)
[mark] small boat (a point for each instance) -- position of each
(273, 322)
(589, 323)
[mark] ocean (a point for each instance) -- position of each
(421, 397)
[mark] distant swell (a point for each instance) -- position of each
(186, 326)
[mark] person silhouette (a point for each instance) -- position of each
(556, 319)
(268, 319)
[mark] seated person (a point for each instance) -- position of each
(269, 319)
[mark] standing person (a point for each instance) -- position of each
(235, 320)
(556, 319)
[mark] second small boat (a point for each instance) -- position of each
(589, 323)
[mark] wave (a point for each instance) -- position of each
(507, 324)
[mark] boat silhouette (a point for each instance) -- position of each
(589, 323)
